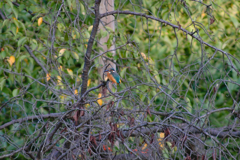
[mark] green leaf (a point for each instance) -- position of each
(2, 83)
(21, 7)
(10, 3)
(109, 41)
(235, 21)
(22, 57)
(1, 4)
(22, 41)
(33, 44)
(16, 23)
(75, 55)
(165, 153)
(156, 75)
(15, 13)
(226, 43)
(103, 34)
(23, 26)
(5, 22)
(61, 27)
(123, 71)
(3, 54)
(15, 92)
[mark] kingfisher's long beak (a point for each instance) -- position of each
(106, 70)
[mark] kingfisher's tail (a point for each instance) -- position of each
(119, 82)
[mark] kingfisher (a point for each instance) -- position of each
(113, 76)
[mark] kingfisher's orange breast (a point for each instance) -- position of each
(111, 77)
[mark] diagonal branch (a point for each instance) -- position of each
(176, 27)
(51, 115)
(87, 61)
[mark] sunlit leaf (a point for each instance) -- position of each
(48, 76)
(40, 20)
(15, 92)
(2, 83)
(143, 55)
(123, 71)
(62, 51)
(11, 60)
(75, 55)
(76, 92)
(22, 41)
(59, 79)
(89, 81)
(100, 102)
(70, 72)
(144, 146)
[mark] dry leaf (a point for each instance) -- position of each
(76, 92)
(75, 116)
(161, 135)
(59, 79)
(74, 36)
(17, 30)
(40, 20)
(143, 55)
(100, 102)
(144, 146)
(26, 60)
(11, 60)
(48, 76)
(212, 20)
(70, 72)
(88, 82)
(62, 51)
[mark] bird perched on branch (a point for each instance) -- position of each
(113, 76)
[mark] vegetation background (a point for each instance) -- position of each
(179, 64)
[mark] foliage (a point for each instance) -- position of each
(170, 80)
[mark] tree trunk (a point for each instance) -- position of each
(106, 6)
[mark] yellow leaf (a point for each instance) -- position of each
(88, 82)
(62, 51)
(143, 55)
(87, 105)
(14, 18)
(63, 97)
(48, 76)
(161, 135)
(17, 30)
(40, 20)
(120, 125)
(60, 68)
(90, 28)
(144, 146)
(175, 148)
(75, 55)
(74, 36)
(203, 15)
(11, 60)
(26, 60)
(100, 102)
(70, 72)
(76, 92)
(59, 79)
